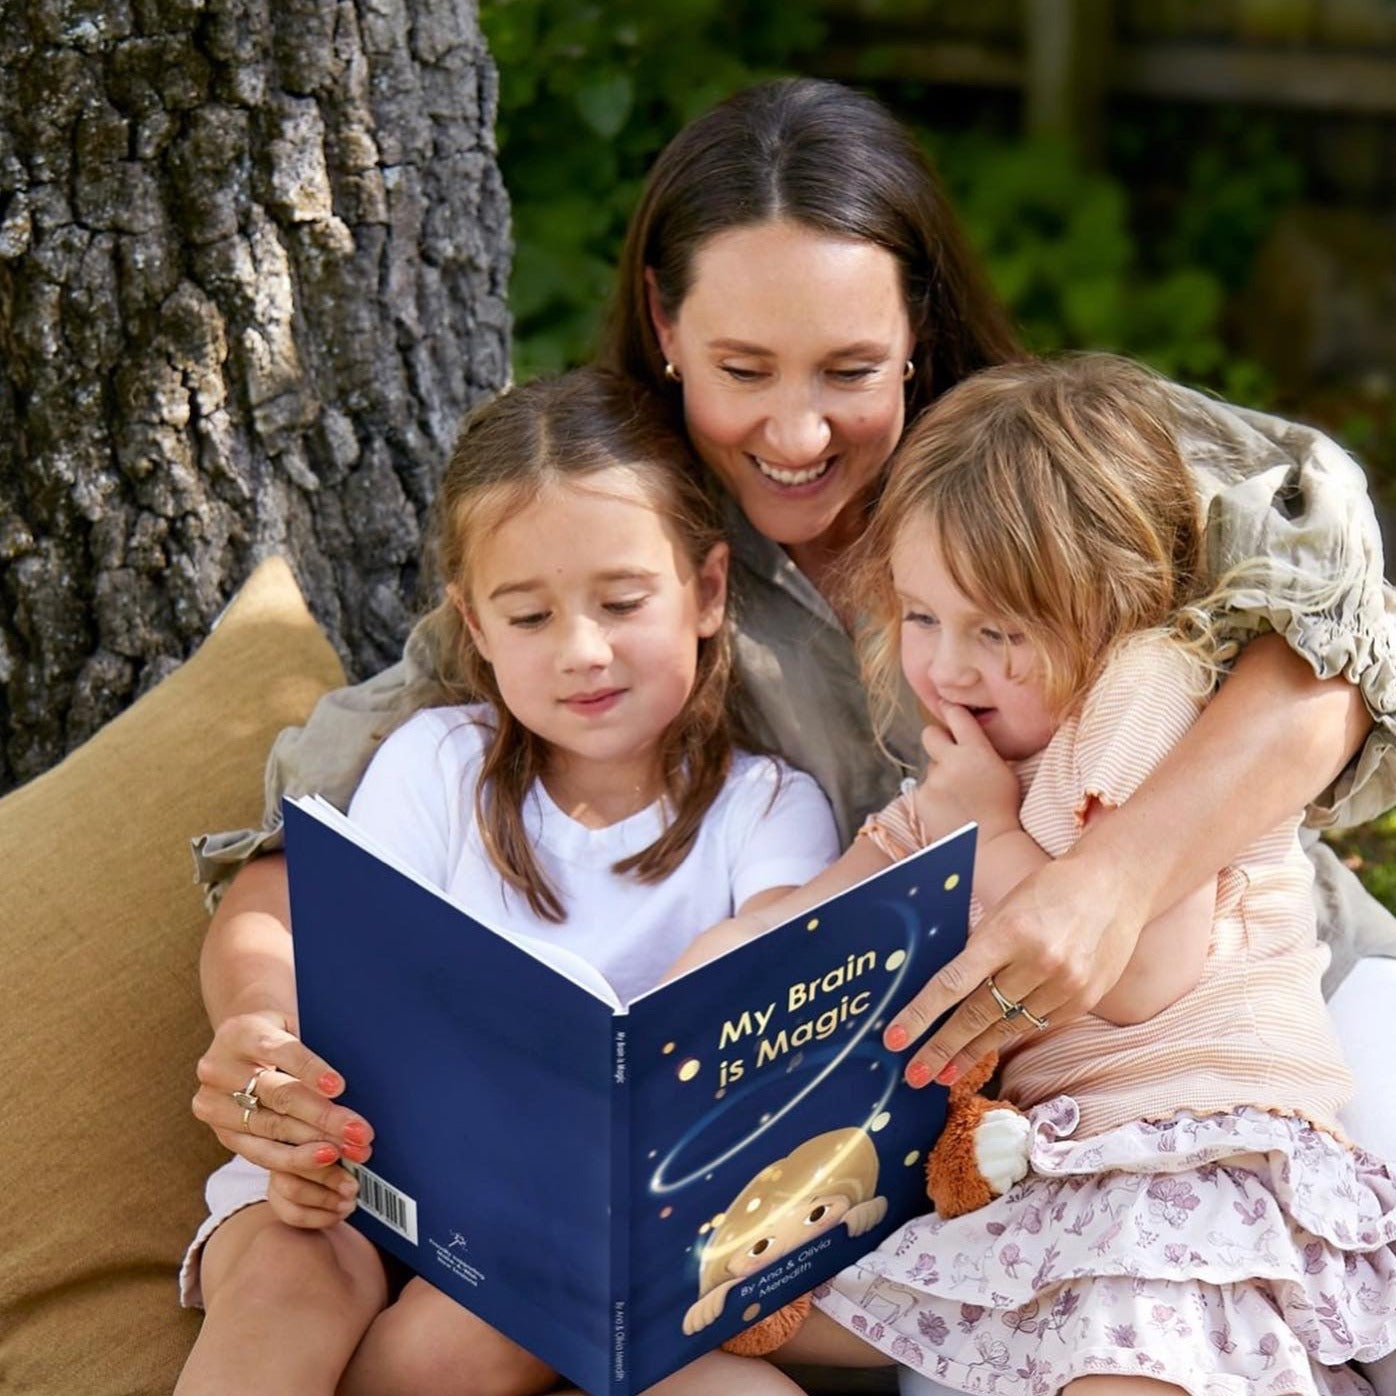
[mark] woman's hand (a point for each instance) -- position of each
(294, 1129)
(1055, 944)
(292, 1125)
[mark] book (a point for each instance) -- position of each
(621, 1187)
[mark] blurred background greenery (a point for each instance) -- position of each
(1210, 187)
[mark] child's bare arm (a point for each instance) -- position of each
(1172, 948)
(966, 779)
(1168, 957)
(776, 905)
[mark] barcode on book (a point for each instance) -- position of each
(383, 1201)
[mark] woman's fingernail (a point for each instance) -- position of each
(356, 1153)
(918, 1074)
(330, 1083)
(948, 1074)
(326, 1154)
(355, 1132)
(895, 1038)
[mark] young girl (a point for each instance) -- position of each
(578, 778)
(1192, 1214)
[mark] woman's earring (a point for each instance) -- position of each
(908, 372)
(671, 373)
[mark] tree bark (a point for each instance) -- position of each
(253, 260)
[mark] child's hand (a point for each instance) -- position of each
(966, 779)
(313, 1197)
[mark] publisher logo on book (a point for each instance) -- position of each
(452, 1255)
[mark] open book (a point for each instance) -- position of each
(620, 1187)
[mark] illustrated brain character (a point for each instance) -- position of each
(827, 1181)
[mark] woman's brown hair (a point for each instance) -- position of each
(562, 431)
(830, 159)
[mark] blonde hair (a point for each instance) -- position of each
(1061, 505)
(532, 438)
(841, 1161)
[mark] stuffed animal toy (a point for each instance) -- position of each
(980, 1154)
(983, 1149)
(770, 1332)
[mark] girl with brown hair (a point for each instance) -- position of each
(575, 775)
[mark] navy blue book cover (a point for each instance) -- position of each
(621, 1188)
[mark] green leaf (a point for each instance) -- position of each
(1092, 311)
(605, 103)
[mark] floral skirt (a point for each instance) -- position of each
(1245, 1254)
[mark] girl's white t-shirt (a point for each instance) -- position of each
(770, 826)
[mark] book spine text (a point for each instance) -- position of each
(620, 1211)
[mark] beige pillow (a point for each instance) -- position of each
(101, 1163)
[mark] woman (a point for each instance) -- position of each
(794, 286)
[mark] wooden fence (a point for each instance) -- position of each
(1069, 58)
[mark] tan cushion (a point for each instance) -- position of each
(101, 1162)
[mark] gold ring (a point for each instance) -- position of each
(1007, 1007)
(1038, 1023)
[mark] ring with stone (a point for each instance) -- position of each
(1007, 1007)
(246, 1097)
(1011, 1010)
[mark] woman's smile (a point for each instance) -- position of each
(789, 478)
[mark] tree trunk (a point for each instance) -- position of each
(253, 257)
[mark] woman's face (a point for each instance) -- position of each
(791, 346)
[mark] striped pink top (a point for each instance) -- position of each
(1254, 1030)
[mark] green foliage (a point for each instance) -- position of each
(1057, 240)
(1371, 852)
(1233, 177)
(1140, 263)
(589, 94)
